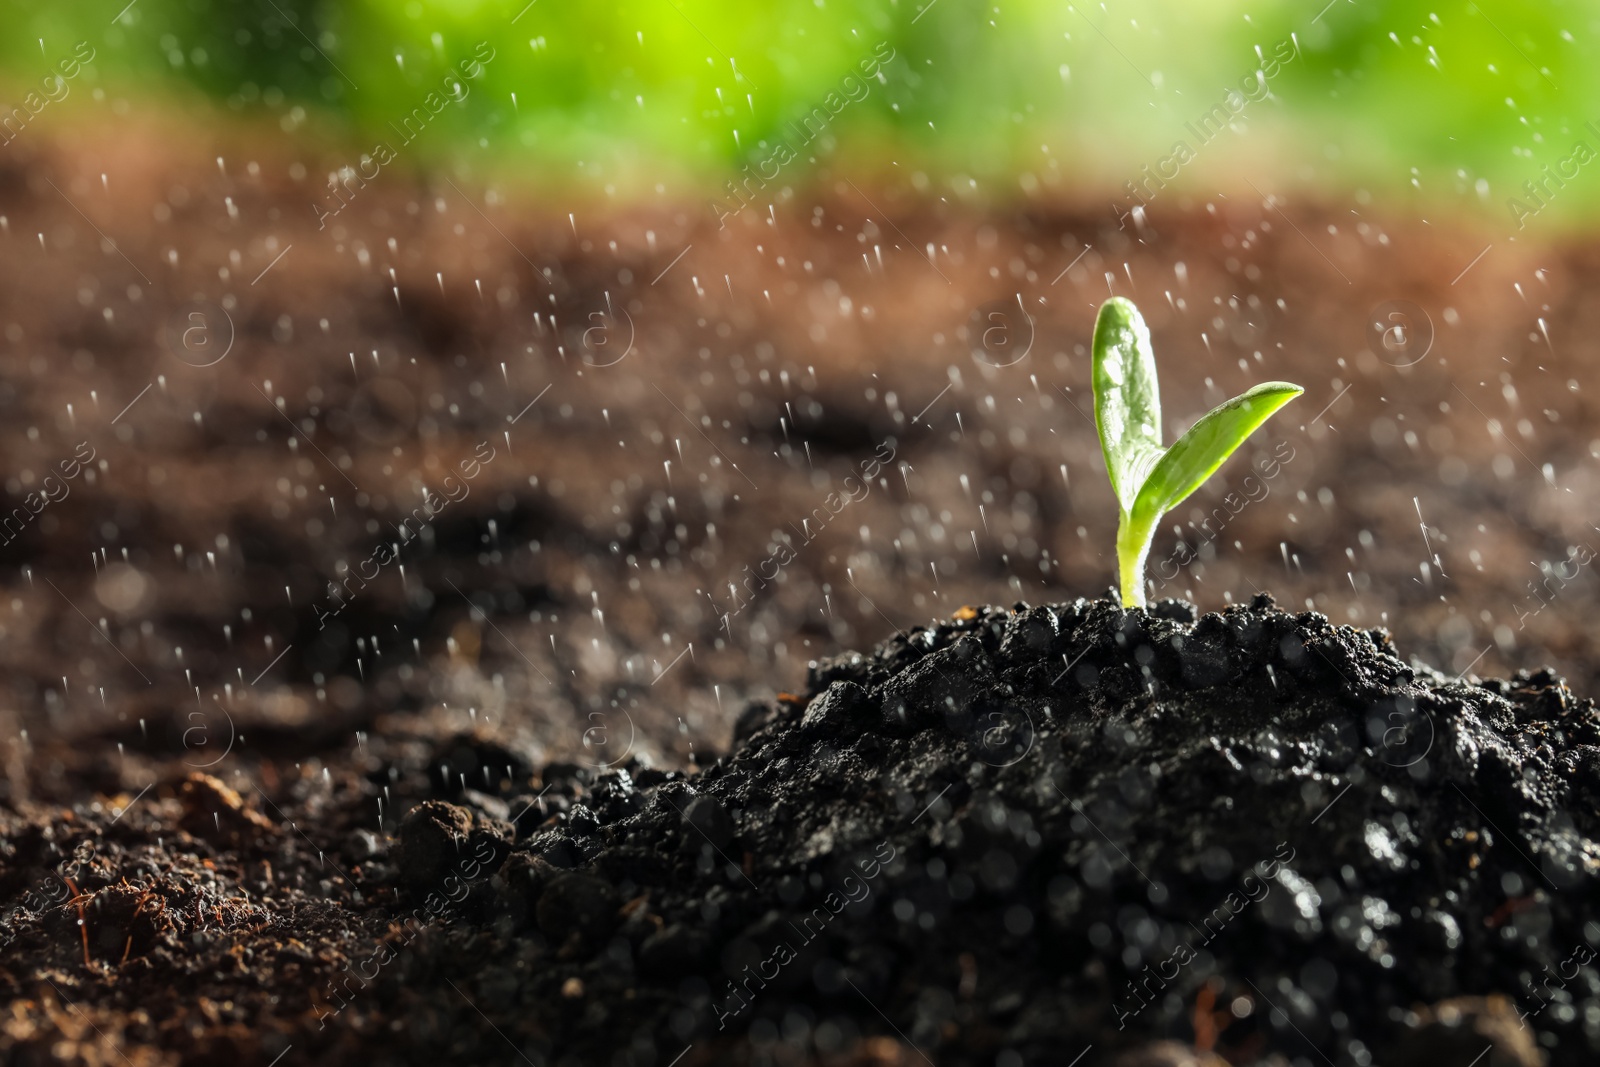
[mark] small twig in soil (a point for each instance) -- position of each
(137, 907)
(1205, 1026)
(83, 922)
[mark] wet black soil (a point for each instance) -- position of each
(1020, 836)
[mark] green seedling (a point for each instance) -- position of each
(1150, 480)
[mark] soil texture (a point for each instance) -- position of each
(1013, 837)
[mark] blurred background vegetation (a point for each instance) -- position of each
(1440, 108)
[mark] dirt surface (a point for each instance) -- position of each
(1012, 838)
(657, 436)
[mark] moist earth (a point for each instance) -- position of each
(1021, 836)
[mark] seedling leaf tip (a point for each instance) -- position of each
(1150, 480)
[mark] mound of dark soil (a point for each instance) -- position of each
(1059, 826)
(1017, 837)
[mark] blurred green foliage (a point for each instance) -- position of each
(1444, 106)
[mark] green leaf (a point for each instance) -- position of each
(1127, 399)
(1149, 480)
(1197, 454)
